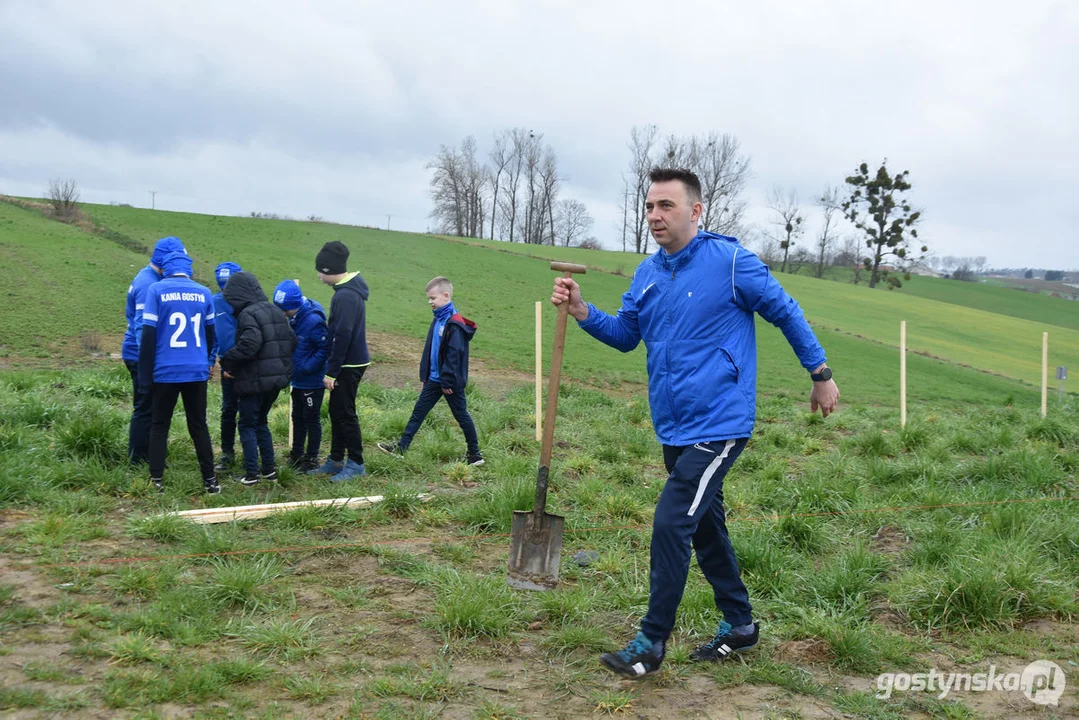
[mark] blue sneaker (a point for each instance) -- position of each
(728, 641)
(352, 469)
(330, 467)
(641, 657)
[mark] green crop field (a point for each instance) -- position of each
(997, 299)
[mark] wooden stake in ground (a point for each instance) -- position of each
(1045, 374)
(208, 516)
(289, 389)
(539, 371)
(903, 373)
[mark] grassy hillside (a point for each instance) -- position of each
(997, 299)
(498, 290)
(58, 282)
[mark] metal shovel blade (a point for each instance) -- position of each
(535, 550)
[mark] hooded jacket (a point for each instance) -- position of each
(136, 303)
(348, 325)
(261, 359)
(694, 310)
(312, 348)
(452, 352)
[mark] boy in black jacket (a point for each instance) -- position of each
(260, 365)
(443, 370)
(348, 360)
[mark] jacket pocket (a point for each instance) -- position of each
(730, 361)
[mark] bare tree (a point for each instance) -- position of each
(64, 198)
(788, 220)
(625, 210)
(520, 139)
(532, 159)
(852, 255)
(457, 190)
(723, 172)
(501, 155)
(641, 142)
(473, 181)
(573, 220)
(829, 205)
(447, 191)
(549, 179)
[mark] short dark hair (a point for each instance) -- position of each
(684, 176)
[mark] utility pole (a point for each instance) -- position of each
(388, 221)
(153, 199)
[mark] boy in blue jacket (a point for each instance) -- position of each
(443, 371)
(225, 323)
(693, 304)
(308, 321)
(138, 438)
(177, 334)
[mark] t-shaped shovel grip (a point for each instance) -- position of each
(567, 270)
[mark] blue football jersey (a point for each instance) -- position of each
(180, 309)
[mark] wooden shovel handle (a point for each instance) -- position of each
(568, 269)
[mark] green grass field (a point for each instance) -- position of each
(950, 543)
(402, 610)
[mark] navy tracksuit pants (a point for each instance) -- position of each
(689, 516)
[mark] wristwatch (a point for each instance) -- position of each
(823, 375)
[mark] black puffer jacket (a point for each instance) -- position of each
(261, 359)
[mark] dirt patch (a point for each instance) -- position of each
(30, 589)
(801, 652)
(890, 540)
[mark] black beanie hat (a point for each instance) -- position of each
(332, 259)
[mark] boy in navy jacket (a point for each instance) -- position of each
(443, 370)
(308, 321)
(225, 324)
(174, 360)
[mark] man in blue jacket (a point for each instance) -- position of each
(225, 339)
(692, 303)
(308, 321)
(138, 439)
(178, 322)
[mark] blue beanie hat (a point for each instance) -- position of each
(176, 263)
(163, 247)
(224, 271)
(287, 295)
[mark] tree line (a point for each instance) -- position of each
(513, 192)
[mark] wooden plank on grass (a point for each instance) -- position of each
(207, 516)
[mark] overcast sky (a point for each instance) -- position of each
(334, 108)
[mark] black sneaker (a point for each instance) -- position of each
(224, 463)
(296, 461)
(728, 641)
(641, 657)
(271, 475)
(249, 478)
(475, 459)
(159, 484)
(391, 449)
(309, 463)
(211, 486)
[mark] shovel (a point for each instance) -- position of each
(536, 536)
